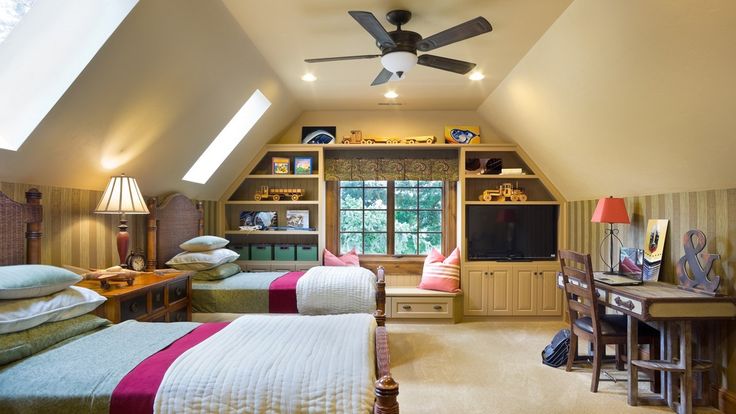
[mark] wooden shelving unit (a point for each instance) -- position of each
(240, 197)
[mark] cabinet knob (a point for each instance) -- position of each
(437, 307)
(180, 317)
(133, 307)
(179, 291)
(407, 307)
(157, 298)
(485, 273)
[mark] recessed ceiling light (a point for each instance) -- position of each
(476, 76)
(308, 77)
(391, 95)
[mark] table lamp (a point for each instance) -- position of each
(122, 196)
(610, 210)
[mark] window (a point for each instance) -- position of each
(10, 14)
(230, 136)
(390, 217)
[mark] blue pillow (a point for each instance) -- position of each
(32, 281)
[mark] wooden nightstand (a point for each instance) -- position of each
(152, 298)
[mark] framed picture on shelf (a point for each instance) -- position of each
(298, 219)
(318, 134)
(302, 165)
(280, 165)
(462, 134)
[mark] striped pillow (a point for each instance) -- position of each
(441, 273)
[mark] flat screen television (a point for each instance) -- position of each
(511, 232)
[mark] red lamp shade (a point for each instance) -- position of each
(610, 210)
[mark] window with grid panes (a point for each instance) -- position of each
(390, 217)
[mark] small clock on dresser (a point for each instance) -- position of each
(136, 261)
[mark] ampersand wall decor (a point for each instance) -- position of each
(694, 242)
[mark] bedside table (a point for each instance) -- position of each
(151, 298)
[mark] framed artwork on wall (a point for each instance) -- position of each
(462, 134)
(280, 165)
(654, 248)
(318, 134)
(302, 165)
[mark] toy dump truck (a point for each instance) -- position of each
(505, 191)
(276, 194)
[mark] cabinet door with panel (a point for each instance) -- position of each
(549, 296)
(525, 289)
(475, 289)
(500, 289)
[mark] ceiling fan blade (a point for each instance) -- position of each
(450, 65)
(463, 31)
(374, 27)
(334, 59)
(382, 77)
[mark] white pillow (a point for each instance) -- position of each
(204, 243)
(21, 314)
(202, 260)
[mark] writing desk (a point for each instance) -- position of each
(665, 303)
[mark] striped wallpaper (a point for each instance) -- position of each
(74, 235)
(713, 212)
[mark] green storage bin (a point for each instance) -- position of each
(242, 250)
(261, 252)
(283, 252)
(306, 252)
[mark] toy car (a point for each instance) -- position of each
(505, 191)
(275, 194)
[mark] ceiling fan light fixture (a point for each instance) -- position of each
(399, 62)
(476, 76)
(309, 77)
(391, 95)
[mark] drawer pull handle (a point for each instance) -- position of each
(624, 303)
(157, 298)
(437, 307)
(406, 307)
(179, 291)
(133, 307)
(180, 317)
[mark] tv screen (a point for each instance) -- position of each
(511, 232)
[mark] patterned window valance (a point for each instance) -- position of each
(358, 169)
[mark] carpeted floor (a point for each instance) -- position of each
(494, 367)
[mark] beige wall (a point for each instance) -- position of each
(151, 100)
(396, 123)
(713, 212)
(627, 97)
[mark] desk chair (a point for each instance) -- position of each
(587, 321)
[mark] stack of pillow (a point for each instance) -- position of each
(39, 307)
(208, 257)
(348, 259)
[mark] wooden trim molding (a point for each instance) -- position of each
(726, 401)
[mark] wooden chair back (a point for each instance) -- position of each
(577, 278)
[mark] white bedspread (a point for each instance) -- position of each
(333, 290)
(276, 364)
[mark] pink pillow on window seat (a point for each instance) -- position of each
(440, 272)
(348, 259)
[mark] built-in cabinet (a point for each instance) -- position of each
(504, 289)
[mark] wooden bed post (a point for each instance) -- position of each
(151, 240)
(200, 223)
(386, 388)
(33, 226)
(381, 290)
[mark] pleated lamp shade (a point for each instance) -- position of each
(122, 196)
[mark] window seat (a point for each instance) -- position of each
(411, 303)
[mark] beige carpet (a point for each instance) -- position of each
(494, 367)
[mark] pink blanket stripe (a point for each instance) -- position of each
(282, 293)
(136, 392)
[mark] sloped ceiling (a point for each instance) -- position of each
(627, 98)
(149, 103)
(286, 35)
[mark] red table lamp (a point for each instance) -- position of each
(122, 196)
(610, 210)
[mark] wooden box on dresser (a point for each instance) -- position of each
(151, 298)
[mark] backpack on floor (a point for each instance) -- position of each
(555, 354)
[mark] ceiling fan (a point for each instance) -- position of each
(399, 47)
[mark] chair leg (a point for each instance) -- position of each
(599, 350)
(572, 351)
(656, 384)
(620, 352)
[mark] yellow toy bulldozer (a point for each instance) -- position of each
(505, 191)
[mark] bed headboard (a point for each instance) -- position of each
(19, 245)
(171, 222)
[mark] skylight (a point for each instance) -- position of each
(11, 11)
(50, 44)
(229, 138)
